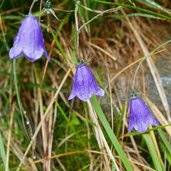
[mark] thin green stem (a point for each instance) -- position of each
(77, 27)
(31, 7)
(156, 160)
(98, 15)
(16, 88)
(139, 65)
(2, 150)
(135, 8)
(21, 108)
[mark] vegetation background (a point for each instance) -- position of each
(41, 130)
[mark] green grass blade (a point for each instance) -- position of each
(155, 5)
(115, 16)
(162, 16)
(2, 150)
(165, 151)
(113, 167)
(111, 134)
(120, 121)
(156, 161)
(164, 139)
(57, 33)
(59, 47)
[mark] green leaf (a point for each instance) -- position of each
(74, 119)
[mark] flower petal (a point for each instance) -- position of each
(34, 55)
(16, 51)
(72, 95)
(84, 93)
(141, 127)
(99, 91)
(130, 127)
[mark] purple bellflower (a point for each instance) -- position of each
(140, 116)
(29, 41)
(84, 84)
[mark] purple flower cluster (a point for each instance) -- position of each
(29, 42)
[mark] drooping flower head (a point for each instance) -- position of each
(84, 84)
(29, 41)
(140, 116)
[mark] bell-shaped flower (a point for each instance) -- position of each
(140, 116)
(29, 40)
(84, 84)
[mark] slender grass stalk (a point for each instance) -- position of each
(9, 137)
(153, 137)
(120, 122)
(166, 153)
(2, 3)
(98, 15)
(76, 25)
(31, 7)
(155, 5)
(44, 117)
(22, 111)
(136, 14)
(162, 16)
(2, 150)
(156, 161)
(153, 52)
(164, 139)
(111, 134)
(59, 46)
(101, 138)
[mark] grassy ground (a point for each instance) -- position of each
(41, 130)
